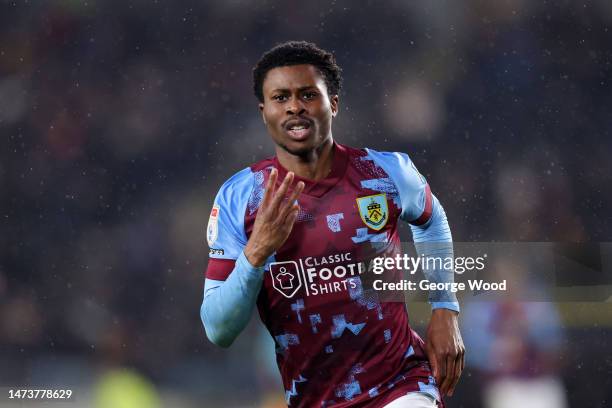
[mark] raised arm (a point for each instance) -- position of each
(228, 304)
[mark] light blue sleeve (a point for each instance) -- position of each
(225, 231)
(230, 289)
(434, 240)
(430, 230)
(228, 305)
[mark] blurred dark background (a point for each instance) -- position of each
(121, 119)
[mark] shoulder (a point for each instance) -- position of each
(397, 164)
(242, 183)
(395, 159)
(384, 159)
(226, 222)
(238, 184)
(394, 166)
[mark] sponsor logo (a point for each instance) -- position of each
(319, 275)
(285, 277)
(212, 230)
(373, 210)
(215, 251)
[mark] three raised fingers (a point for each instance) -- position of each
(274, 200)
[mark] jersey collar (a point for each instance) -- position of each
(320, 187)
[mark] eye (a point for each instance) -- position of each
(280, 98)
(310, 95)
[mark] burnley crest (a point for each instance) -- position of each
(374, 211)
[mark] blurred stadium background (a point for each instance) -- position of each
(120, 120)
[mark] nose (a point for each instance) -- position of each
(295, 106)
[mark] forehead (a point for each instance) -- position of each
(293, 77)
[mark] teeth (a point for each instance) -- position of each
(300, 127)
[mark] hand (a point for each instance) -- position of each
(445, 350)
(274, 220)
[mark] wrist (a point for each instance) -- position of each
(445, 312)
(256, 256)
(453, 305)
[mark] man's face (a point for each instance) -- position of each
(296, 109)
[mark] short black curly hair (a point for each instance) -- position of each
(298, 53)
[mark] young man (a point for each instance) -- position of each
(293, 234)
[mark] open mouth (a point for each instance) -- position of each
(298, 129)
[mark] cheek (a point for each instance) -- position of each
(325, 114)
(268, 117)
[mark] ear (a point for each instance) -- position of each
(263, 117)
(334, 102)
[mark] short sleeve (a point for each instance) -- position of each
(225, 232)
(415, 194)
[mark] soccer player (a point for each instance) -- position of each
(293, 235)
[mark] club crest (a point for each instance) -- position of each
(373, 210)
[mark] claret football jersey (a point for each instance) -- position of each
(338, 343)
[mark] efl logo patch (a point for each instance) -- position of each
(212, 230)
(285, 277)
(373, 210)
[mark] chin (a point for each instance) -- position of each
(301, 151)
(303, 148)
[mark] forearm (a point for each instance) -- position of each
(228, 305)
(433, 241)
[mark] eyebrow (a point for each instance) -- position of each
(299, 89)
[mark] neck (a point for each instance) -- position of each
(314, 165)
